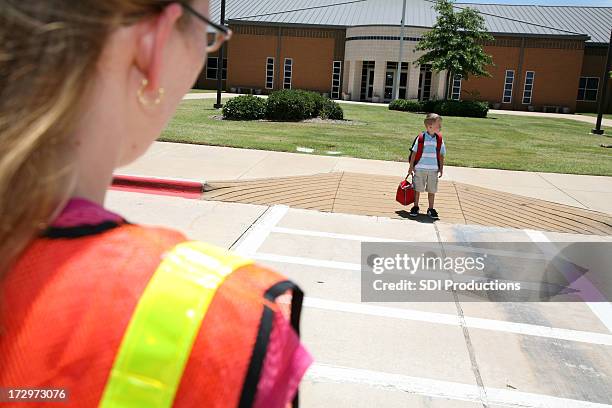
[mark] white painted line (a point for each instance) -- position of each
(603, 310)
(498, 252)
(453, 320)
(377, 379)
(261, 229)
(348, 266)
(307, 261)
(539, 331)
(426, 245)
(321, 234)
(441, 389)
(257, 233)
(382, 311)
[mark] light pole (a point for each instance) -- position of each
(220, 61)
(604, 88)
(398, 73)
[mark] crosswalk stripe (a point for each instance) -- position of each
(441, 389)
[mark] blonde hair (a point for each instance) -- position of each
(48, 54)
(432, 118)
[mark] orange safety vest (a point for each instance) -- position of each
(97, 311)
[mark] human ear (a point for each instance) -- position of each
(152, 43)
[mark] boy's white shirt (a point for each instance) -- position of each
(427, 143)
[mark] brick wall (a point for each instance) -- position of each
(312, 50)
(312, 62)
(247, 56)
(557, 65)
(204, 83)
(492, 88)
(593, 66)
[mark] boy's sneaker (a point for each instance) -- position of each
(414, 211)
(433, 214)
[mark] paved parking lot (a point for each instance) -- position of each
(443, 354)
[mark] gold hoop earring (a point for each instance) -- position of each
(146, 102)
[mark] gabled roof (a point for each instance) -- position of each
(593, 22)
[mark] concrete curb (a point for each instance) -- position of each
(152, 185)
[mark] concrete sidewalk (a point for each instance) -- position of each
(374, 195)
(212, 163)
(447, 353)
(579, 118)
(209, 95)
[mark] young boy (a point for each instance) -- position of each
(427, 163)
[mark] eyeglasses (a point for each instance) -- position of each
(222, 33)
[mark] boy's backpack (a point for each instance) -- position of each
(421, 147)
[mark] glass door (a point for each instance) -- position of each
(367, 81)
(370, 84)
(390, 80)
(425, 83)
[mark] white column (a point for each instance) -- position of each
(414, 73)
(380, 71)
(438, 84)
(354, 87)
(346, 76)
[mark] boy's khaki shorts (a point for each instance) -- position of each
(425, 180)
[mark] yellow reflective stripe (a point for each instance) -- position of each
(158, 341)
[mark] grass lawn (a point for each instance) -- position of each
(605, 115)
(203, 91)
(500, 141)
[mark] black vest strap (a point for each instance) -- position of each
(249, 389)
(80, 231)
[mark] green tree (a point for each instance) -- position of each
(455, 43)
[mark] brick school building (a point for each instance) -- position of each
(545, 58)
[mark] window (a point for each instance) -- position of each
(508, 86)
(336, 78)
(456, 89)
(587, 89)
(528, 91)
(288, 73)
(211, 68)
(270, 73)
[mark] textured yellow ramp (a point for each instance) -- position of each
(366, 194)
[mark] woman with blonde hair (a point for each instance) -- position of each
(93, 309)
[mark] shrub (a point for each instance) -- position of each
(331, 110)
(430, 106)
(475, 109)
(470, 109)
(406, 105)
(290, 105)
(296, 105)
(320, 102)
(245, 107)
(396, 105)
(316, 102)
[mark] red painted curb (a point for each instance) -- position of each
(152, 185)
